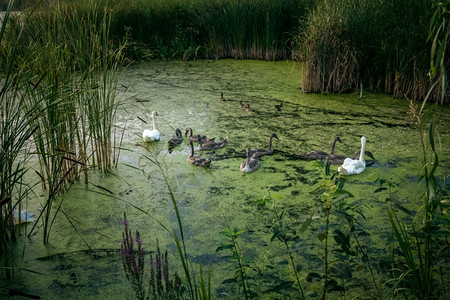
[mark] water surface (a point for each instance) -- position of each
(186, 94)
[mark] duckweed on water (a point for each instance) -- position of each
(211, 199)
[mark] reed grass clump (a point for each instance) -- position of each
(175, 29)
(250, 29)
(376, 44)
(255, 29)
(15, 133)
(69, 65)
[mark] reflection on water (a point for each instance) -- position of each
(210, 199)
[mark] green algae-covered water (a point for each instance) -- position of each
(186, 94)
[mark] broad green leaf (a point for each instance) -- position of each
(341, 270)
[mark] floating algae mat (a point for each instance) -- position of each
(82, 259)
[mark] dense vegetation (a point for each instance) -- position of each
(379, 44)
(346, 45)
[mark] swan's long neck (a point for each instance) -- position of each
(153, 119)
(363, 150)
(333, 146)
(190, 131)
(192, 148)
(270, 143)
(247, 161)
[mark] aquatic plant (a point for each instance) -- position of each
(160, 285)
(237, 256)
(197, 289)
(375, 44)
(349, 252)
(439, 32)
(330, 198)
(250, 29)
(423, 240)
(133, 259)
(75, 93)
(424, 246)
(15, 133)
(256, 29)
(285, 234)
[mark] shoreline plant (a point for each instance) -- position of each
(197, 288)
(374, 45)
(160, 284)
(75, 94)
(15, 152)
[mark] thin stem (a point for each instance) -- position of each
(326, 254)
(295, 269)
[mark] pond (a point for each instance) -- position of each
(187, 94)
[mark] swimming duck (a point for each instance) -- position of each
(211, 144)
(197, 160)
(221, 97)
(319, 154)
(354, 166)
(250, 164)
(247, 107)
(195, 137)
(279, 106)
(176, 139)
(151, 135)
(241, 105)
(262, 152)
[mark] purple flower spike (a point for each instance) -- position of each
(124, 222)
(136, 269)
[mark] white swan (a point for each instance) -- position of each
(354, 166)
(151, 135)
(25, 216)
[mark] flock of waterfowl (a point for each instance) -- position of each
(349, 165)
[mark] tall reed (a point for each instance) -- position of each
(424, 246)
(423, 242)
(379, 44)
(15, 133)
(72, 78)
(256, 29)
